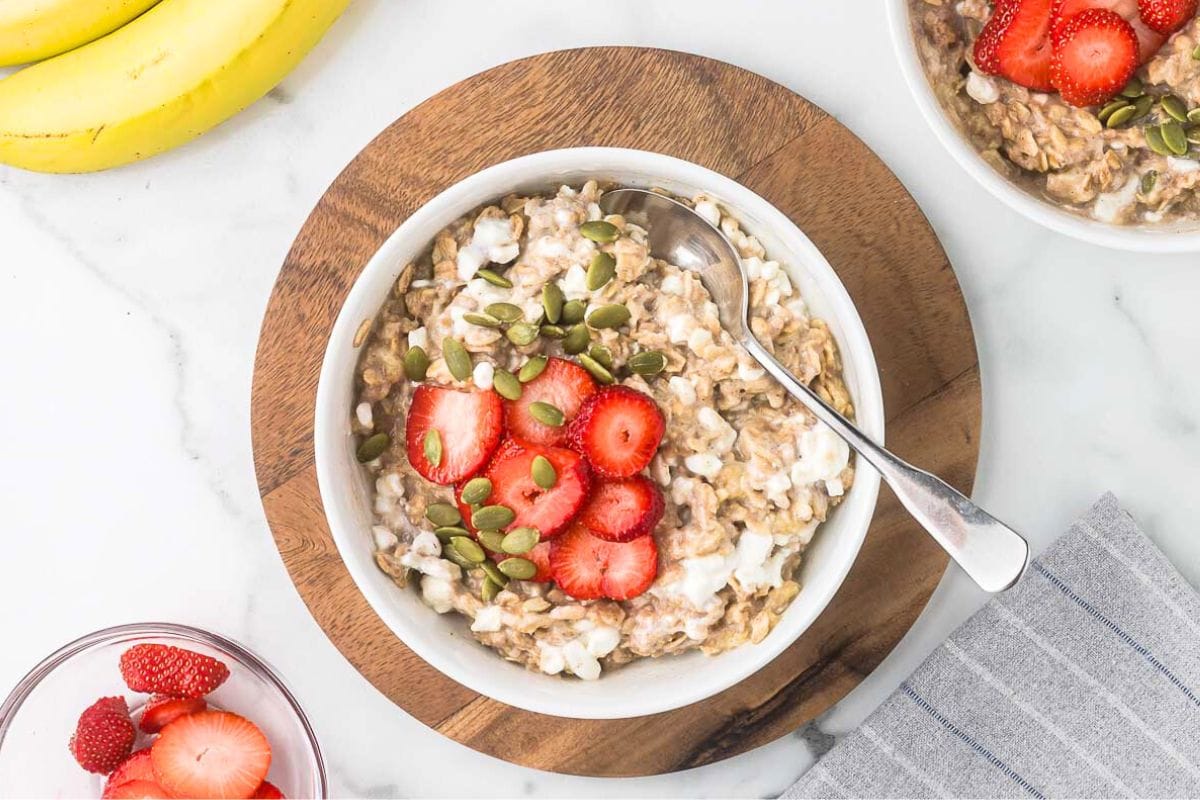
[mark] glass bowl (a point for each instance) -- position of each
(38, 718)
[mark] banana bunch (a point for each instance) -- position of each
(162, 73)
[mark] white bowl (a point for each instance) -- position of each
(1144, 238)
(650, 685)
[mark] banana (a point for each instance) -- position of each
(165, 78)
(31, 30)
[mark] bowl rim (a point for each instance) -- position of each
(25, 687)
(1135, 239)
(550, 165)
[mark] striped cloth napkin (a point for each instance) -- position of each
(1082, 681)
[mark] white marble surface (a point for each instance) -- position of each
(130, 303)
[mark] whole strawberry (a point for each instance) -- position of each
(104, 736)
(161, 669)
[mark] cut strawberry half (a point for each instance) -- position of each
(1024, 50)
(987, 57)
(1167, 16)
(548, 510)
(135, 768)
(1150, 41)
(211, 754)
(563, 385)
(103, 736)
(1095, 55)
(268, 791)
(619, 430)
(161, 710)
(162, 669)
(589, 568)
(624, 509)
(136, 790)
(451, 434)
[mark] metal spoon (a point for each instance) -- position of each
(989, 551)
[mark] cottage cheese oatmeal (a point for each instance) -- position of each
(1093, 105)
(570, 451)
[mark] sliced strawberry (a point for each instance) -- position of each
(103, 736)
(589, 568)
(468, 426)
(548, 510)
(624, 509)
(562, 384)
(1167, 16)
(1150, 41)
(987, 58)
(162, 669)
(619, 430)
(1024, 50)
(135, 768)
(211, 754)
(161, 710)
(1095, 55)
(268, 791)
(136, 790)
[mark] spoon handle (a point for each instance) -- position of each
(989, 551)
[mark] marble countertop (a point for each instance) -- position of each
(130, 303)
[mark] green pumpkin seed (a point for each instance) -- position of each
(519, 541)
(491, 540)
(1148, 181)
(610, 316)
(1134, 88)
(494, 575)
(443, 514)
(577, 340)
(433, 447)
(1155, 141)
(476, 491)
(523, 333)
(492, 518)
(600, 271)
(552, 301)
(545, 414)
(1193, 134)
(458, 360)
(1107, 111)
(505, 312)
(450, 532)
(482, 320)
(553, 332)
(518, 568)
(1121, 116)
(372, 447)
(489, 590)
(506, 385)
(1174, 137)
(600, 231)
(647, 362)
(532, 368)
(1196, 53)
(596, 369)
(458, 558)
(1174, 108)
(573, 312)
(494, 278)
(601, 354)
(543, 472)
(416, 364)
(468, 549)
(1194, 115)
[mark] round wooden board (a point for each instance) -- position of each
(774, 142)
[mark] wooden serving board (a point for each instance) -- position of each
(782, 147)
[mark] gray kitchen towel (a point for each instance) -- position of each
(1081, 681)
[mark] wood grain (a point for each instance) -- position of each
(731, 121)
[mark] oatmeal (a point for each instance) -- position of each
(1131, 158)
(654, 490)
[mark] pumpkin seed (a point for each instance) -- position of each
(450, 532)
(491, 540)
(458, 558)
(545, 414)
(1174, 108)
(416, 363)
(553, 332)
(532, 368)
(482, 320)
(610, 316)
(1134, 88)
(519, 541)
(647, 362)
(552, 301)
(476, 491)
(573, 312)
(1196, 53)
(1194, 115)
(458, 360)
(443, 514)
(506, 385)
(601, 354)
(577, 339)
(1174, 137)
(433, 447)
(1107, 111)
(494, 278)
(599, 231)
(518, 568)
(543, 472)
(596, 369)
(489, 590)
(1193, 134)
(523, 333)
(492, 518)
(372, 447)
(600, 271)
(1148, 181)
(496, 576)
(1155, 141)
(505, 312)
(1120, 116)
(468, 549)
